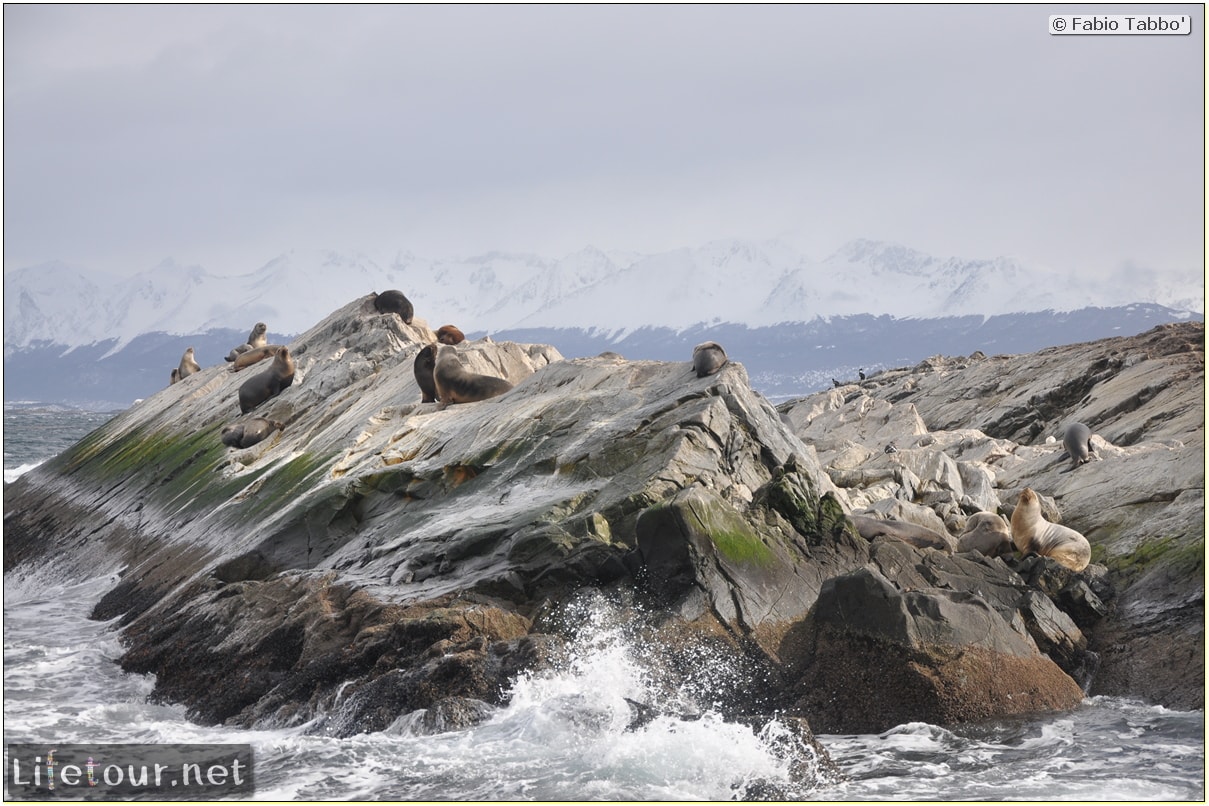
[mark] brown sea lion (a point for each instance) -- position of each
(456, 385)
(249, 432)
(267, 384)
(176, 376)
(394, 302)
(255, 339)
(423, 367)
(188, 364)
(250, 357)
(986, 533)
(1033, 534)
(708, 358)
(448, 334)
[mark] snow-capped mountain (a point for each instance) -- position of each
(741, 282)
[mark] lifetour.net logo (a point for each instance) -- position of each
(127, 771)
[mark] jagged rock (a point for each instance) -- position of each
(885, 655)
(1140, 503)
(379, 556)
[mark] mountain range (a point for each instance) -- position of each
(743, 282)
(796, 322)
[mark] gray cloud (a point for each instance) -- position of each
(226, 134)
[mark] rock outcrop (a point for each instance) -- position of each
(971, 433)
(378, 556)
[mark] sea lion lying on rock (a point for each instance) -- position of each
(456, 385)
(448, 334)
(918, 536)
(708, 358)
(255, 339)
(986, 533)
(267, 384)
(393, 301)
(254, 356)
(249, 432)
(1033, 534)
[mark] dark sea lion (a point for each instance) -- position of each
(250, 357)
(986, 533)
(456, 385)
(188, 365)
(708, 358)
(448, 334)
(423, 367)
(176, 376)
(394, 302)
(1033, 534)
(918, 536)
(267, 384)
(255, 339)
(1077, 439)
(248, 433)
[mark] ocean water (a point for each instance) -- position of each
(565, 735)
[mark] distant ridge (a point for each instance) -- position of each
(756, 284)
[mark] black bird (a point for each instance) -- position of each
(890, 448)
(861, 372)
(835, 383)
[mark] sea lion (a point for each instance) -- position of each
(425, 362)
(986, 533)
(250, 357)
(394, 302)
(1033, 534)
(448, 334)
(1077, 439)
(708, 358)
(248, 433)
(267, 384)
(188, 365)
(255, 339)
(456, 385)
(918, 536)
(176, 376)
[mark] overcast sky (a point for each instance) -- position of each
(225, 135)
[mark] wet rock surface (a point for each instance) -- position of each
(381, 559)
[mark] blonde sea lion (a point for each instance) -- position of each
(250, 357)
(188, 364)
(448, 334)
(267, 384)
(1033, 534)
(255, 339)
(456, 385)
(708, 358)
(986, 533)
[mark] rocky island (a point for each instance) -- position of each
(376, 556)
